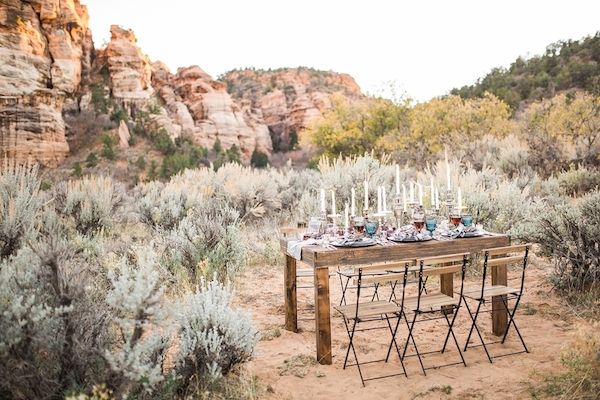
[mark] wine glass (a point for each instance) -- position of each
(358, 223)
(419, 219)
(455, 217)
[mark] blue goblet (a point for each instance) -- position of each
(467, 220)
(371, 228)
(430, 223)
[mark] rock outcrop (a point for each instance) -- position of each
(206, 112)
(45, 55)
(130, 69)
(289, 99)
(189, 103)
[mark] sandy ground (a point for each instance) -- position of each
(284, 363)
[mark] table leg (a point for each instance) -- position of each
(291, 304)
(322, 316)
(447, 287)
(499, 314)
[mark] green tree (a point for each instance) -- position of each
(91, 160)
(108, 150)
(259, 159)
(140, 163)
(217, 147)
(77, 171)
(152, 170)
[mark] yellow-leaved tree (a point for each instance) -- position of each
(572, 121)
(454, 121)
(355, 127)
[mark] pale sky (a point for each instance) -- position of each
(425, 47)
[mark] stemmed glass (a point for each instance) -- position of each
(455, 216)
(431, 222)
(419, 219)
(467, 220)
(358, 223)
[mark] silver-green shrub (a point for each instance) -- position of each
(578, 181)
(91, 202)
(136, 309)
(207, 242)
(569, 233)
(20, 203)
(164, 205)
(252, 192)
(31, 330)
(214, 336)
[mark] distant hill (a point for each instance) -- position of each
(565, 65)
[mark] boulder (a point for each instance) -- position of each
(124, 135)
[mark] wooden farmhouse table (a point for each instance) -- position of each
(321, 259)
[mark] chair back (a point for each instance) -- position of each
(366, 276)
(441, 265)
(504, 256)
(379, 269)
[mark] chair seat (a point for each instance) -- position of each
(429, 302)
(489, 291)
(368, 309)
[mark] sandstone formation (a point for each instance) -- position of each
(45, 55)
(189, 103)
(129, 68)
(124, 135)
(206, 112)
(289, 99)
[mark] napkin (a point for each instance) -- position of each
(294, 247)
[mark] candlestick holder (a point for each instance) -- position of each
(399, 211)
(323, 222)
(449, 202)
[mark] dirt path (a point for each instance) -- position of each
(283, 361)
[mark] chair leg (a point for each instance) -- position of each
(344, 288)
(393, 342)
(375, 294)
(451, 332)
(351, 346)
(411, 338)
(424, 288)
(511, 316)
(452, 324)
(393, 287)
(474, 325)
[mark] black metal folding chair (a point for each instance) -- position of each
(489, 294)
(426, 307)
(371, 312)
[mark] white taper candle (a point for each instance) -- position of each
(366, 204)
(397, 180)
(346, 221)
(333, 202)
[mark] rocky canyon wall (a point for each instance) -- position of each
(45, 55)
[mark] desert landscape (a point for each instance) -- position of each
(168, 233)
